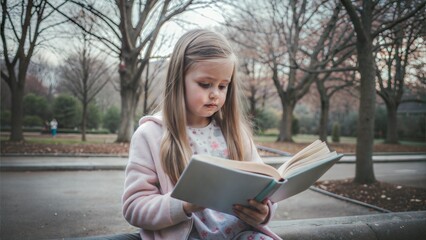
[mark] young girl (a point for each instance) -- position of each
(200, 115)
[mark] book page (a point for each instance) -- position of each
(307, 151)
(253, 167)
(289, 172)
(315, 156)
(303, 177)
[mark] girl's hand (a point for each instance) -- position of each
(189, 208)
(255, 214)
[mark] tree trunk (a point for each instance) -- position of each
(364, 173)
(128, 107)
(392, 124)
(146, 91)
(286, 123)
(84, 123)
(16, 133)
(252, 103)
(323, 127)
(130, 91)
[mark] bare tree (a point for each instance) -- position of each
(362, 18)
(292, 44)
(154, 75)
(84, 74)
(259, 89)
(327, 86)
(24, 27)
(130, 30)
(339, 49)
(254, 74)
(393, 60)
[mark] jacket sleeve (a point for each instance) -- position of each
(146, 204)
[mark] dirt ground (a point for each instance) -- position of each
(392, 197)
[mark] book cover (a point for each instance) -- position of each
(218, 183)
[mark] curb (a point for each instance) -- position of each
(351, 159)
(83, 155)
(401, 225)
(28, 165)
(337, 196)
(41, 168)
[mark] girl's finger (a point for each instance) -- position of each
(249, 215)
(261, 207)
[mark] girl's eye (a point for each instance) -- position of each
(204, 85)
(223, 87)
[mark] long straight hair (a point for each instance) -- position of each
(175, 151)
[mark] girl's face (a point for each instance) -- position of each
(206, 85)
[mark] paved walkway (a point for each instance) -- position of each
(109, 162)
(37, 203)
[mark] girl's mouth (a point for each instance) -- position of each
(211, 105)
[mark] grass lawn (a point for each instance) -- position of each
(270, 137)
(68, 138)
(304, 138)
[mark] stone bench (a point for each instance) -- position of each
(385, 226)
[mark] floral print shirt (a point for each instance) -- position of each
(211, 224)
(208, 140)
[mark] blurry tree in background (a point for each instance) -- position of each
(85, 72)
(259, 90)
(24, 27)
(94, 116)
(34, 105)
(302, 41)
(292, 38)
(129, 29)
(155, 74)
(401, 47)
(67, 111)
(112, 119)
(255, 79)
(369, 19)
(328, 84)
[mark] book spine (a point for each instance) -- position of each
(266, 191)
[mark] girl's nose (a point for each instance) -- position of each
(214, 93)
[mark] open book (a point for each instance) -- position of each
(218, 183)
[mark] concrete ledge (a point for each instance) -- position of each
(389, 226)
(386, 226)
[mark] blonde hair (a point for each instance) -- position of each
(198, 45)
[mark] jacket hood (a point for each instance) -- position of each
(157, 118)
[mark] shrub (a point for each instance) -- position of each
(264, 120)
(335, 134)
(33, 121)
(34, 105)
(112, 119)
(93, 116)
(67, 111)
(5, 116)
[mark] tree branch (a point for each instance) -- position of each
(355, 19)
(399, 20)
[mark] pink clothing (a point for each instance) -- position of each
(146, 199)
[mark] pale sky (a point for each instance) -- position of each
(201, 18)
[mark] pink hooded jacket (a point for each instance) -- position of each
(147, 203)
